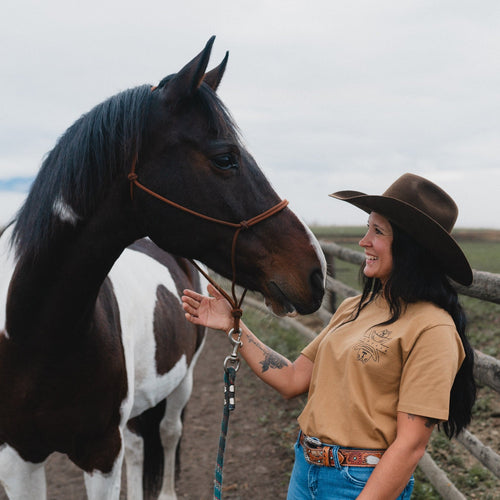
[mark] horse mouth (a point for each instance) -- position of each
(279, 302)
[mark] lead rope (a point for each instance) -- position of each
(231, 366)
(229, 406)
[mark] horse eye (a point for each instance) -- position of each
(225, 162)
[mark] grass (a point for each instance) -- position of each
(484, 332)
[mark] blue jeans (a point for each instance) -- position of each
(317, 482)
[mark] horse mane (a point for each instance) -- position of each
(81, 167)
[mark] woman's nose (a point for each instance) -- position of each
(363, 242)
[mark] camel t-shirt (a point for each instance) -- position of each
(364, 374)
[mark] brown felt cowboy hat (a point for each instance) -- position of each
(424, 211)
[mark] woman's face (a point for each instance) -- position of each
(377, 244)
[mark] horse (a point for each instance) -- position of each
(96, 357)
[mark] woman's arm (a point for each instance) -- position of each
(397, 464)
(289, 379)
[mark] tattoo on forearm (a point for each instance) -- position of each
(271, 358)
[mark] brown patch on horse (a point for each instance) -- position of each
(174, 336)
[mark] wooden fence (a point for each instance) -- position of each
(486, 286)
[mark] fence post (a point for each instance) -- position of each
(330, 266)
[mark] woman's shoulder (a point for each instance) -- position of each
(350, 302)
(424, 309)
(422, 317)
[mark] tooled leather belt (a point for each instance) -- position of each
(317, 453)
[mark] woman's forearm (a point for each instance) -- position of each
(396, 466)
(289, 379)
(392, 473)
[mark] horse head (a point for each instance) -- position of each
(191, 154)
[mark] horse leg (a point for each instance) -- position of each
(101, 486)
(171, 432)
(21, 480)
(134, 460)
(106, 486)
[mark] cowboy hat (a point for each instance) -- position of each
(423, 210)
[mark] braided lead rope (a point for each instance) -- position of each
(229, 400)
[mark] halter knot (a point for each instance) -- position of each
(244, 224)
(132, 176)
(237, 313)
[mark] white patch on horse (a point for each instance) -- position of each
(21, 480)
(136, 296)
(317, 247)
(7, 266)
(64, 211)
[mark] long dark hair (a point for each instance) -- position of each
(417, 276)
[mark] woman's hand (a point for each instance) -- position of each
(214, 311)
(289, 379)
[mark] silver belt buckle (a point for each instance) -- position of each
(314, 442)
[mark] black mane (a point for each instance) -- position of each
(81, 166)
(100, 145)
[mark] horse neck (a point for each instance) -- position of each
(60, 286)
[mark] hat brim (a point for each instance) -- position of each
(426, 231)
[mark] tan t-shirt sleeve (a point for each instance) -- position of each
(429, 372)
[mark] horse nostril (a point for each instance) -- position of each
(318, 284)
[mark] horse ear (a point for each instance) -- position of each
(190, 77)
(213, 77)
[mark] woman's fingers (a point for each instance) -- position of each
(192, 294)
(214, 292)
(188, 301)
(191, 318)
(190, 304)
(190, 307)
(209, 311)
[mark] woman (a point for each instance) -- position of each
(392, 363)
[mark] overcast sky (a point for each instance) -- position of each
(329, 94)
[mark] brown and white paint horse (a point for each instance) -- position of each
(96, 358)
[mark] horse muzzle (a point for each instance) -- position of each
(288, 299)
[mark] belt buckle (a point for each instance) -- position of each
(313, 442)
(315, 452)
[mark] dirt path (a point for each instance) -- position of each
(256, 463)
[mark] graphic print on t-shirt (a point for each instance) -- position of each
(372, 345)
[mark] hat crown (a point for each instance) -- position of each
(426, 197)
